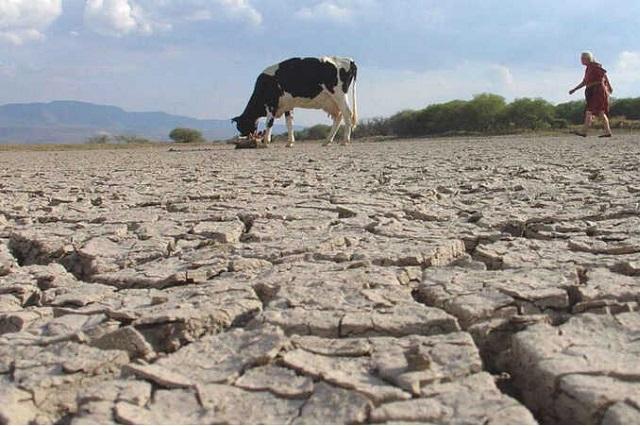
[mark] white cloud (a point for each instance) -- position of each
(240, 10)
(145, 17)
(21, 36)
(22, 21)
(117, 18)
(629, 61)
(627, 68)
(502, 75)
(624, 75)
(405, 14)
(326, 11)
(208, 10)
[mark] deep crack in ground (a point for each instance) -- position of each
(520, 258)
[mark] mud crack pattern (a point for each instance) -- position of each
(435, 281)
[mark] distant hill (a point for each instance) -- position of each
(74, 122)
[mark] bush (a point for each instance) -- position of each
(623, 123)
(560, 123)
(97, 140)
(483, 113)
(373, 127)
(573, 111)
(440, 118)
(404, 123)
(319, 131)
(131, 139)
(628, 108)
(182, 135)
(532, 114)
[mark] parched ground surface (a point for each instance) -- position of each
(433, 281)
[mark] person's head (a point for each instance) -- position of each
(586, 58)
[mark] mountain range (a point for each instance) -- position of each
(75, 122)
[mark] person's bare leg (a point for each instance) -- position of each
(607, 126)
(588, 120)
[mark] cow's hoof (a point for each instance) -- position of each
(289, 145)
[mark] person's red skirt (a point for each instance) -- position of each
(597, 99)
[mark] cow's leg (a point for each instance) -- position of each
(267, 131)
(341, 98)
(291, 136)
(337, 120)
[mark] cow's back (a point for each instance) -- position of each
(307, 77)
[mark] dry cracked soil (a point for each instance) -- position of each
(492, 280)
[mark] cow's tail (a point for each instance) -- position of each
(354, 113)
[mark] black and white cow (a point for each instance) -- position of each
(313, 83)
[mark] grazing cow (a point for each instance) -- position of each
(313, 83)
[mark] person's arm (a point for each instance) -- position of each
(608, 84)
(590, 79)
(578, 87)
(583, 84)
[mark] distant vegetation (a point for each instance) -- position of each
(131, 140)
(98, 140)
(484, 114)
(119, 139)
(183, 135)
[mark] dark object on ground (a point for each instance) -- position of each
(584, 135)
(606, 135)
(249, 144)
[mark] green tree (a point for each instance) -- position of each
(628, 108)
(572, 111)
(434, 119)
(183, 135)
(403, 123)
(483, 112)
(443, 118)
(527, 113)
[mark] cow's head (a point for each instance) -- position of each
(245, 125)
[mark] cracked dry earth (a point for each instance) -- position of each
(432, 281)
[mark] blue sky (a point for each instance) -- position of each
(201, 57)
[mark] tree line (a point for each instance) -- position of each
(486, 113)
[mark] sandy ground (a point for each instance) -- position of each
(486, 280)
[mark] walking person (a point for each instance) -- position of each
(597, 91)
